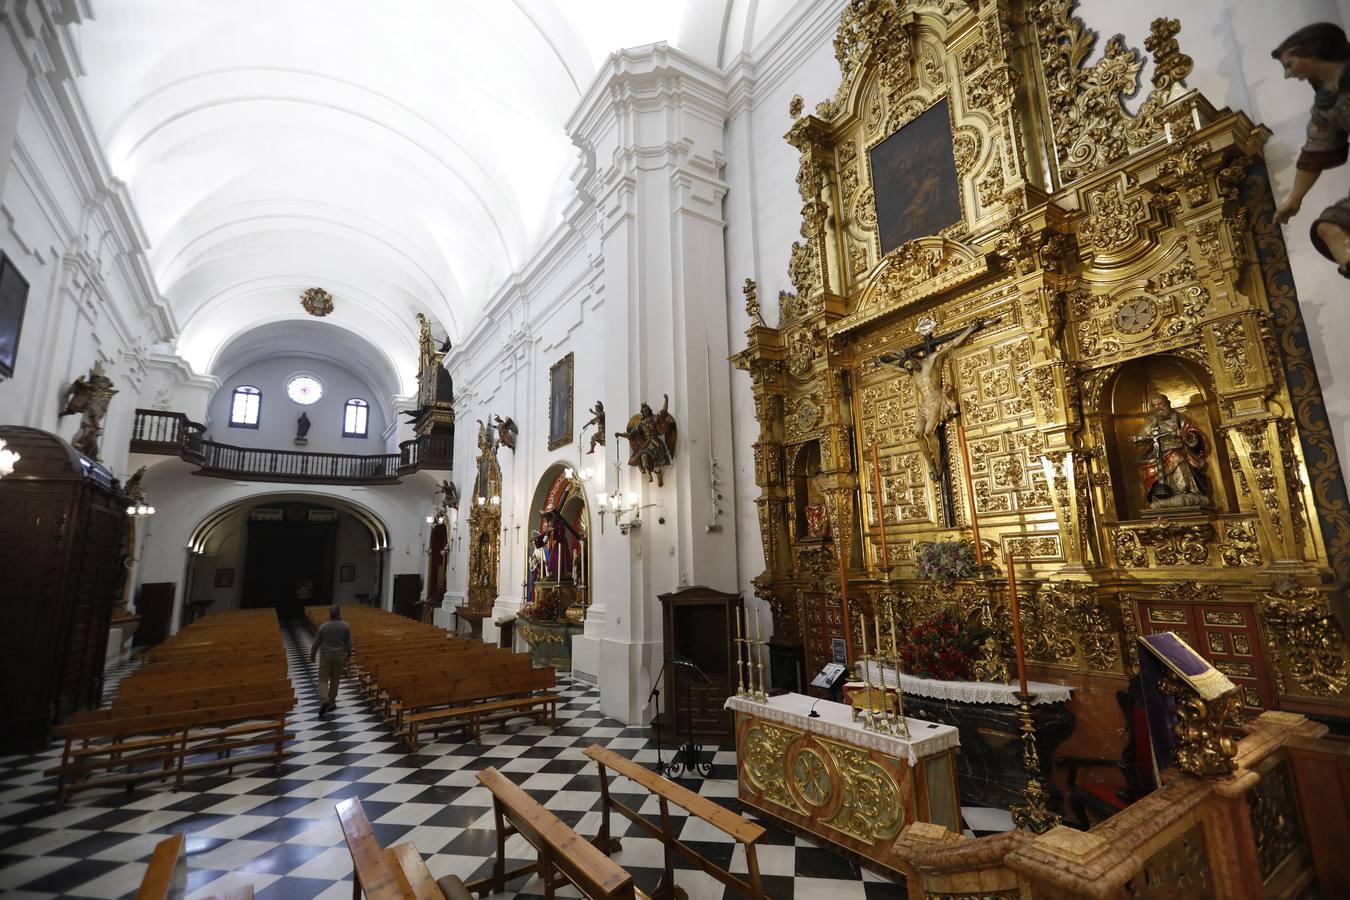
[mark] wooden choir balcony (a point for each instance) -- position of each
(174, 434)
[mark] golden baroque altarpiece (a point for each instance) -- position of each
(1111, 257)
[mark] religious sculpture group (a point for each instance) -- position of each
(88, 397)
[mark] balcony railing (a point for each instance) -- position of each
(174, 434)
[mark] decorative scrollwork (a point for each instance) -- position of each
(764, 749)
(1201, 729)
(1092, 126)
(1308, 637)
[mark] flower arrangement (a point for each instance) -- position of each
(940, 647)
(945, 561)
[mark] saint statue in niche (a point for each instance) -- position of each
(1172, 459)
(817, 516)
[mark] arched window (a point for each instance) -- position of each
(245, 404)
(354, 414)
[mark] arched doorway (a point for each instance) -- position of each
(284, 552)
(557, 563)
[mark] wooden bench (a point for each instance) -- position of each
(739, 828)
(166, 743)
(559, 847)
(398, 873)
(165, 877)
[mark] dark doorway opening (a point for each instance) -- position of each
(289, 565)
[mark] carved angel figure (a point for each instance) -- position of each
(89, 399)
(506, 432)
(1320, 55)
(598, 420)
(651, 440)
(449, 494)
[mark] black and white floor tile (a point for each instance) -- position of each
(281, 835)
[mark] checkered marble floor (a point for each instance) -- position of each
(281, 834)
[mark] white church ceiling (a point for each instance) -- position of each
(404, 156)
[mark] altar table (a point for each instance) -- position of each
(990, 768)
(843, 784)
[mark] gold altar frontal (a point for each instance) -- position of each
(851, 787)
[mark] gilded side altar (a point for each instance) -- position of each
(1145, 429)
(827, 775)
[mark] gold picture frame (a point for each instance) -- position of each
(560, 403)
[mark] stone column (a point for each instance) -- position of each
(651, 133)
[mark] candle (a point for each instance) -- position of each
(881, 508)
(740, 670)
(876, 623)
(1016, 622)
(758, 640)
(970, 493)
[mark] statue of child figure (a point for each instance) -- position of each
(1318, 54)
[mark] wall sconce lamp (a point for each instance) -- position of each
(8, 459)
(140, 510)
(618, 506)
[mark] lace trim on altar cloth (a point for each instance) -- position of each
(967, 691)
(835, 720)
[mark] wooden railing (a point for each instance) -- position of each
(173, 433)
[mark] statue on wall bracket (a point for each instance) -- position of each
(651, 440)
(89, 398)
(1172, 460)
(1320, 55)
(598, 420)
(506, 432)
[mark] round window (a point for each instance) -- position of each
(304, 389)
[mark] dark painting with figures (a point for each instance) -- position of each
(560, 403)
(13, 299)
(914, 176)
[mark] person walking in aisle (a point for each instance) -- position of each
(333, 646)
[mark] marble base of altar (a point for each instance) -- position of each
(550, 643)
(832, 779)
(990, 764)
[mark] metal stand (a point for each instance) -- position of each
(689, 758)
(1033, 815)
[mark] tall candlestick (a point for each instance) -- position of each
(881, 509)
(1016, 622)
(740, 662)
(867, 678)
(970, 493)
(876, 625)
(757, 664)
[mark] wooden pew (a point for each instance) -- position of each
(165, 877)
(740, 829)
(398, 873)
(559, 847)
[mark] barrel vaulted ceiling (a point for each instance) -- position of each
(407, 156)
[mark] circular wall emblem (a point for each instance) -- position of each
(1134, 316)
(317, 302)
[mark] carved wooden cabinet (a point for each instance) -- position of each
(699, 626)
(62, 541)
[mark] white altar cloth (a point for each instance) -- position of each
(836, 721)
(966, 691)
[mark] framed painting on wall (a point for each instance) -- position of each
(914, 176)
(224, 578)
(560, 403)
(346, 573)
(13, 300)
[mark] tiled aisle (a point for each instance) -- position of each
(281, 834)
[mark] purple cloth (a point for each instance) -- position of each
(1171, 648)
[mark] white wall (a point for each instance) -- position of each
(277, 421)
(71, 231)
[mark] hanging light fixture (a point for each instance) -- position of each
(140, 510)
(8, 459)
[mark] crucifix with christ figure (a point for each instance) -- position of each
(935, 404)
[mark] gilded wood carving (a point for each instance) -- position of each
(1139, 406)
